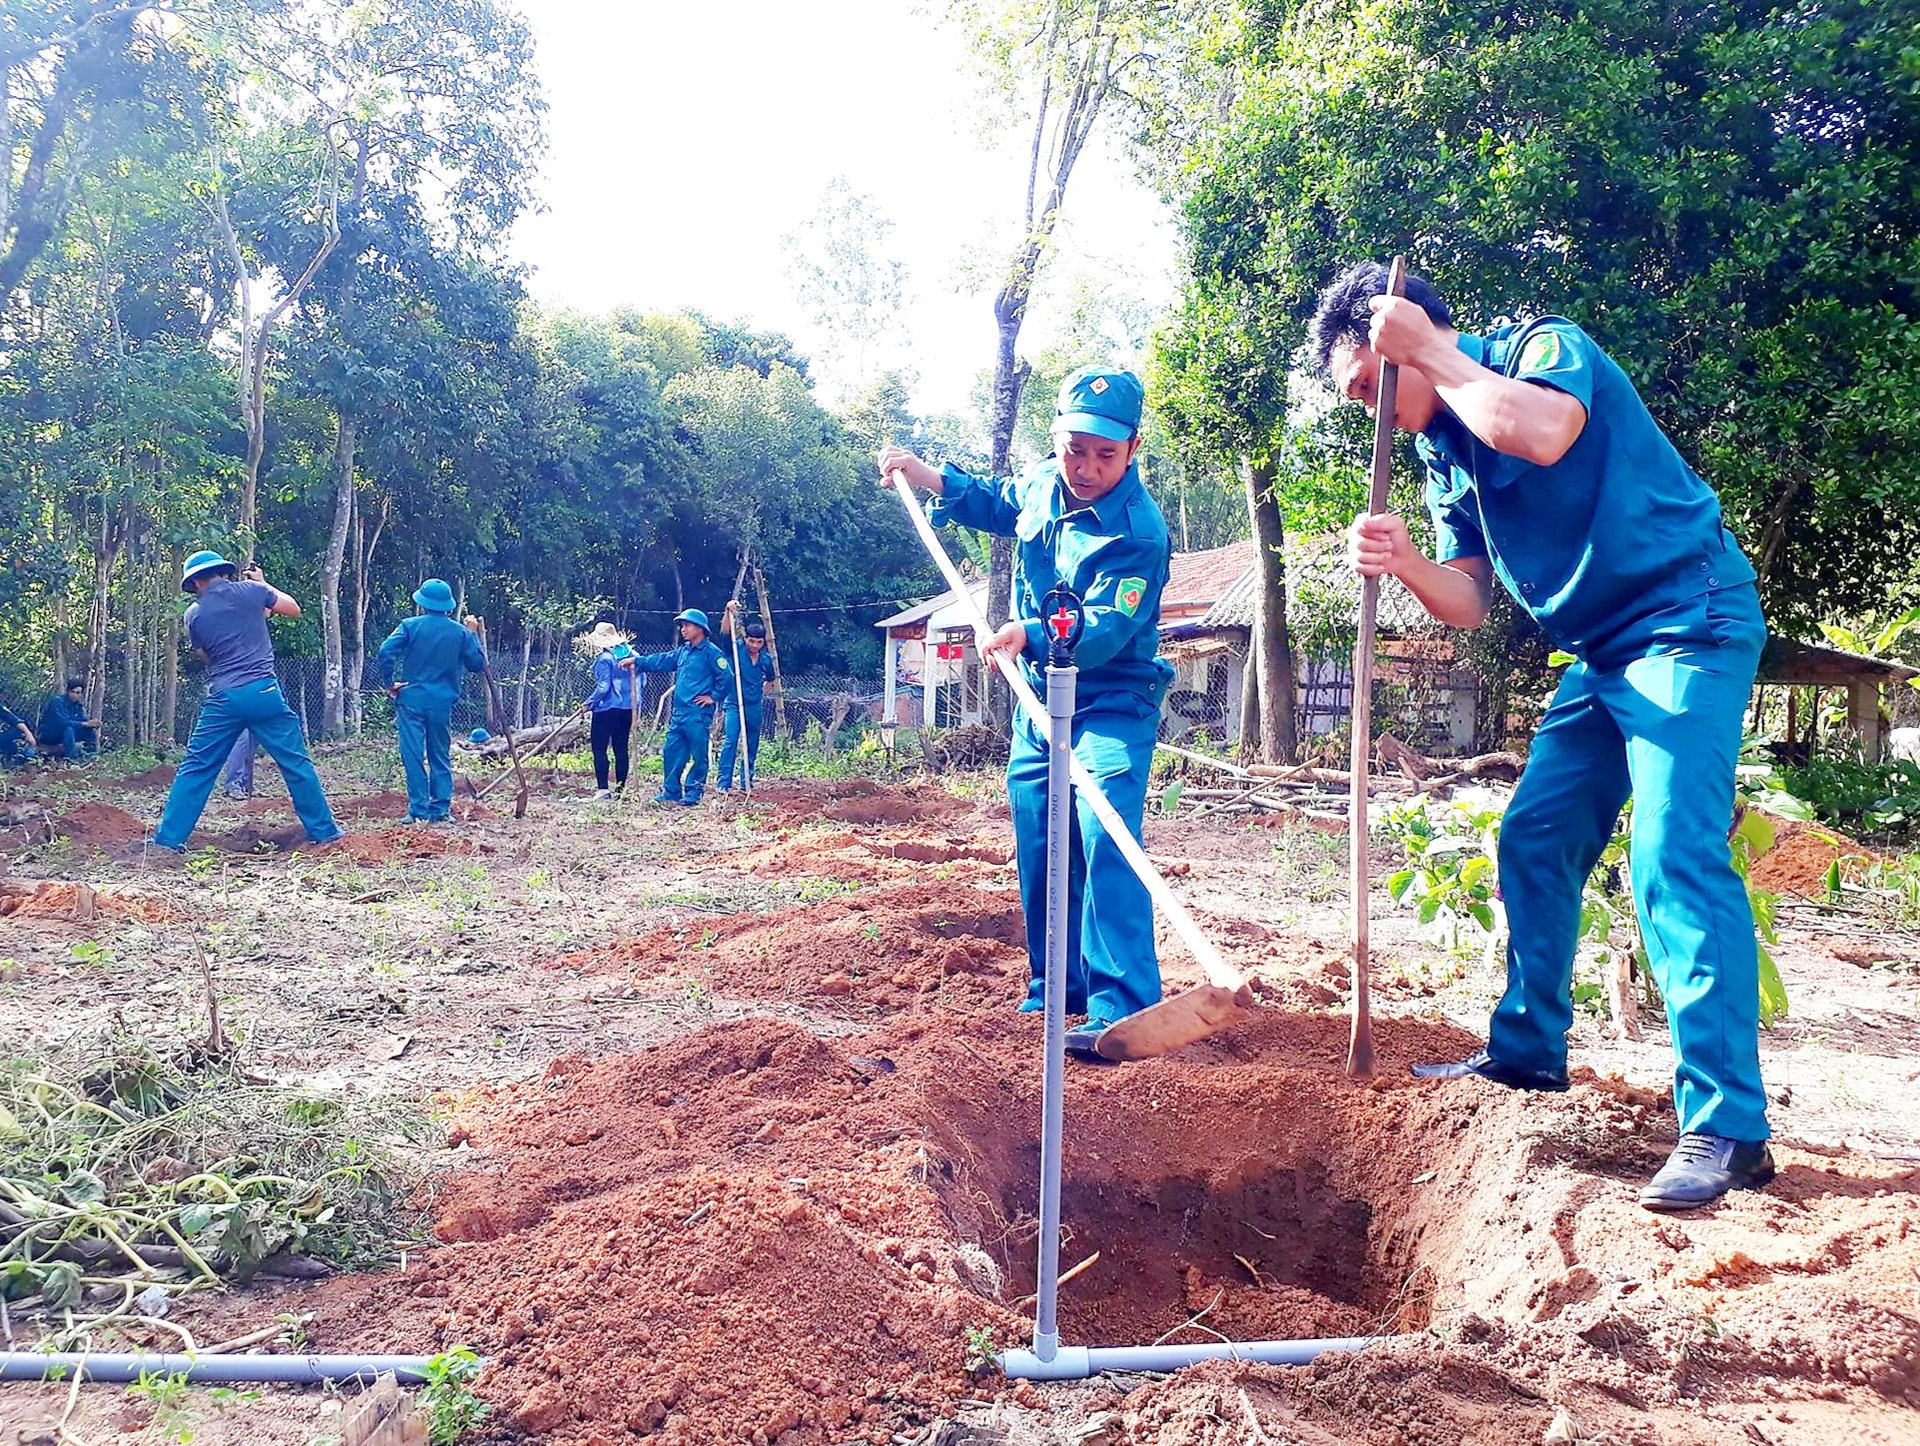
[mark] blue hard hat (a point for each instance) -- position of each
(479, 735)
(202, 562)
(697, 618)
(435, 596)
(1103, 401)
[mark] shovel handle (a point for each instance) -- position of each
(1217, 970)
(1360, 1042)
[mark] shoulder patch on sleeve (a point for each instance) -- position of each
(1130, 594)
(1541, 353)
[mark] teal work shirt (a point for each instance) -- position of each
(1596, 546)
(1114, 554)
(697, 668)
(429, 651)
(754, 676)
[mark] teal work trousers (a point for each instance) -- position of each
(259, 709)
(1658, 719)
(1112, 967)
(683, 753)
(426, 752)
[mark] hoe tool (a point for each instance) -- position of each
(1360, 1038)
(497, 709)
(1189, 1016)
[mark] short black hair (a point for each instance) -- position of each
(605, 615)
(1343, 316)
(73, 683)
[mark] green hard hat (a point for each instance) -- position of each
(202, 562)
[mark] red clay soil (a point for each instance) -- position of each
(1801, 855)
(59, 901)
(860, 801)
(158, 776)
(936, 857)
(100, 826)
(866, 955)
(756, 1235)
(391, 845)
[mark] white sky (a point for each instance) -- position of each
(686, 140)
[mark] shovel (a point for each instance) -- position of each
(1192, 1014)
(1360, 1038)
(537, 750)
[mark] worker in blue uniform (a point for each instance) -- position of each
(431, 653)
(1546, 473)
(743, 707)
(227, 625)
(1083, 519)
(700, 678)
(66, 729)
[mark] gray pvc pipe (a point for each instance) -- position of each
(204, 1370)
(1076, 1363)
(1062, 684)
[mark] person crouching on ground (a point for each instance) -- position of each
(700, 678)
(1083, 518)
(18, 745)
(611, 705)
(1546, 472)
(227, 624)
(743, 705)
(65, 729)
(431, 653)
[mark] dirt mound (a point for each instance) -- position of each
(854, 858)
(64, 901)
(158, 776)
(868, 953)
(392, 845)
(860, 801)
(753, 1234)
(393, 805)
(1801, 855)
(100, 826)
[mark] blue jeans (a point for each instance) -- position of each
(257, 708)
(73, 741)
(238, 779)
(1662, 724)
(426, 751)
(683, 756)
(730, 744)
(1112, 967)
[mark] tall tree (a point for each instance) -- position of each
(838, 268)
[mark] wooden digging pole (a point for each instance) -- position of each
(1360, 1040)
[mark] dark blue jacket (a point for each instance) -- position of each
(430, 650)
(697, 668)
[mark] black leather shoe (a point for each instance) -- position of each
(1702, 1168)
(1485, 1066)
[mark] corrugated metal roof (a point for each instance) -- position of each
(1319, 581)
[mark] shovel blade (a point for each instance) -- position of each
(1187, 1018)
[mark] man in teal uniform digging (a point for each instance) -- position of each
(1546, 472)
(1083, 518)
(700, 676)
(431, 653)
(228, 625)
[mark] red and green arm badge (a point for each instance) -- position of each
(1130, 594)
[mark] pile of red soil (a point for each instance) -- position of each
(860, 801)
(867, 954)
(391, 845)
(59, 901)
(1801, 855)
(935, 857)
(100, 826)
(756, 1235)
(158, 776)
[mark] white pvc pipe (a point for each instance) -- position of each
(1077, 1363)
(201, 1370)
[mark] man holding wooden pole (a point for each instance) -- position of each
(1083, 520)
(1545, 470)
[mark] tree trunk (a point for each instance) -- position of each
(333, 721)
(170, 699)
(773, 651)
(363, 550)
(1010, 375)
(1272, 656)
